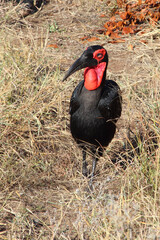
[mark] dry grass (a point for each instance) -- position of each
(42, 190)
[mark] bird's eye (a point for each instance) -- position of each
(99, 55)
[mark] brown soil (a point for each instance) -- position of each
(46, 206)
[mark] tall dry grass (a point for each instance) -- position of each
(42, 189)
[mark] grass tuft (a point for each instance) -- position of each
(42, 189)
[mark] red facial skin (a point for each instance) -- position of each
(99, 54)
(93, 75)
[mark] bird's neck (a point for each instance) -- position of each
(94, 76)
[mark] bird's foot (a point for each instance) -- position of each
(85, 171)
(90, 184)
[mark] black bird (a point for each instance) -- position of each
(95, 105)
(29, 6)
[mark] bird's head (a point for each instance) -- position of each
(95, 60)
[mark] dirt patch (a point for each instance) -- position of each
(42, 189)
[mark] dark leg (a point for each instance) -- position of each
(96, 154)
(84, 163)
(94, 163)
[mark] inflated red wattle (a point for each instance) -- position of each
(93, 76)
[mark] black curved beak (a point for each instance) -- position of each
(82, 62)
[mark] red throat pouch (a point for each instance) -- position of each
(93, 76)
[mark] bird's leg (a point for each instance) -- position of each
(96, 154)
(84, 163)
(94, 163)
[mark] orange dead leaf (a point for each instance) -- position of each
(92, 39)
(130, 47)
(135, 13)
(129, 7)
(101, 31)
(102, 15)
(88, 39)
(117, 41)
(133, 5)
(141, 17)
(141, 33)
(52, 46)
(84, 38)
(119, 24)
(114, 35)
(127, 30)
(124, 15)
(106, 25)
(139, 2)
(143, 41)
(120, 3)
(152, 2)
(110, 25)
(156, 16)
(108, 32)
(113, 19)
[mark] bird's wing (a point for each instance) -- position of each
(110, 104)
(74, 103)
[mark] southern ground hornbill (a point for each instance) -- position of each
(95, 105)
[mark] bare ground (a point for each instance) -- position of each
(42, 190)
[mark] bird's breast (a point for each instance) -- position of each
(87, 123)
(91, 127)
